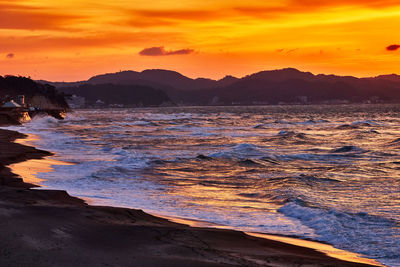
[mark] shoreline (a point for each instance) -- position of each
(179, 244)
(325, 248)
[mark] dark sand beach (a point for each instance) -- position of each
(52, 228)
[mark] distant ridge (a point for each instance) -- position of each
(389, 77)
(152, 77)
(287, 85)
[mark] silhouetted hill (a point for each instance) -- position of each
(275, 86)
(226, 81)
(128, 95)
(281, 75)
(160, 79)
(389, 77)
(258, 90)
(43, 95)
(62, 84)
(170, 80)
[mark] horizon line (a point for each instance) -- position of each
(226, 75)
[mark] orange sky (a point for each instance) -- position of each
(68, 40)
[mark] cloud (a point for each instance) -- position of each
(177, 14)
(10, 55)
(393, 47)
(306, 6)
(291, 50)
(369, 3)
(14, 16)
(160, 51)
(61, 43)
(229, 10)
(288, 51)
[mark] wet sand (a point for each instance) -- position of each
(51, 228)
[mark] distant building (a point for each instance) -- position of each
(11, 104)
(214, 100)
(20, 100)
(75, 101)
(374, 99)
(260, 103)
(339, 101)
(116, 105)
(303, 99)
(99, 104)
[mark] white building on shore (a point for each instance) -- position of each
(75, 101)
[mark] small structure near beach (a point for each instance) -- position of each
(11, 104)
(20, 100)
(12, 112)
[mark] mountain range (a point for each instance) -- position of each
(287, 85)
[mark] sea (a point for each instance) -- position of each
(324, 172)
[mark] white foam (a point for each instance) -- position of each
(361, 233)
(243, 151)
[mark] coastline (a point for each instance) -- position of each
(50, 227)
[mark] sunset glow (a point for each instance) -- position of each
(73, 40)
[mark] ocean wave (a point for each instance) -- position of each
(168, 117)
(347, 149)
(282, 122)
(311, 180)
(261, 126)
(307, 122)
(347, 127)
(241, 151)
(359, 232)
(270, 159)
(203, 157)
(144, 123)
(292, 184)
(395, 143)
(292, 134)
(41, 122)
(250, 163)
(360, 134)
(74, 116)
(366, 123)
(372, 131)
(265, 197)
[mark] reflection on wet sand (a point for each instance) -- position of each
(324, 248)
(29, 169)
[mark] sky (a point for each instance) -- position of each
(70, 40)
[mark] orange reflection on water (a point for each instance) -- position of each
(29, 169)
(212, 196)
(27, 140)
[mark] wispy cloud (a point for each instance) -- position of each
(34, 43)
(306, 6)
(392, 47)
(178, 14)
(160, 51)
(369, 3)
(15, 16)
